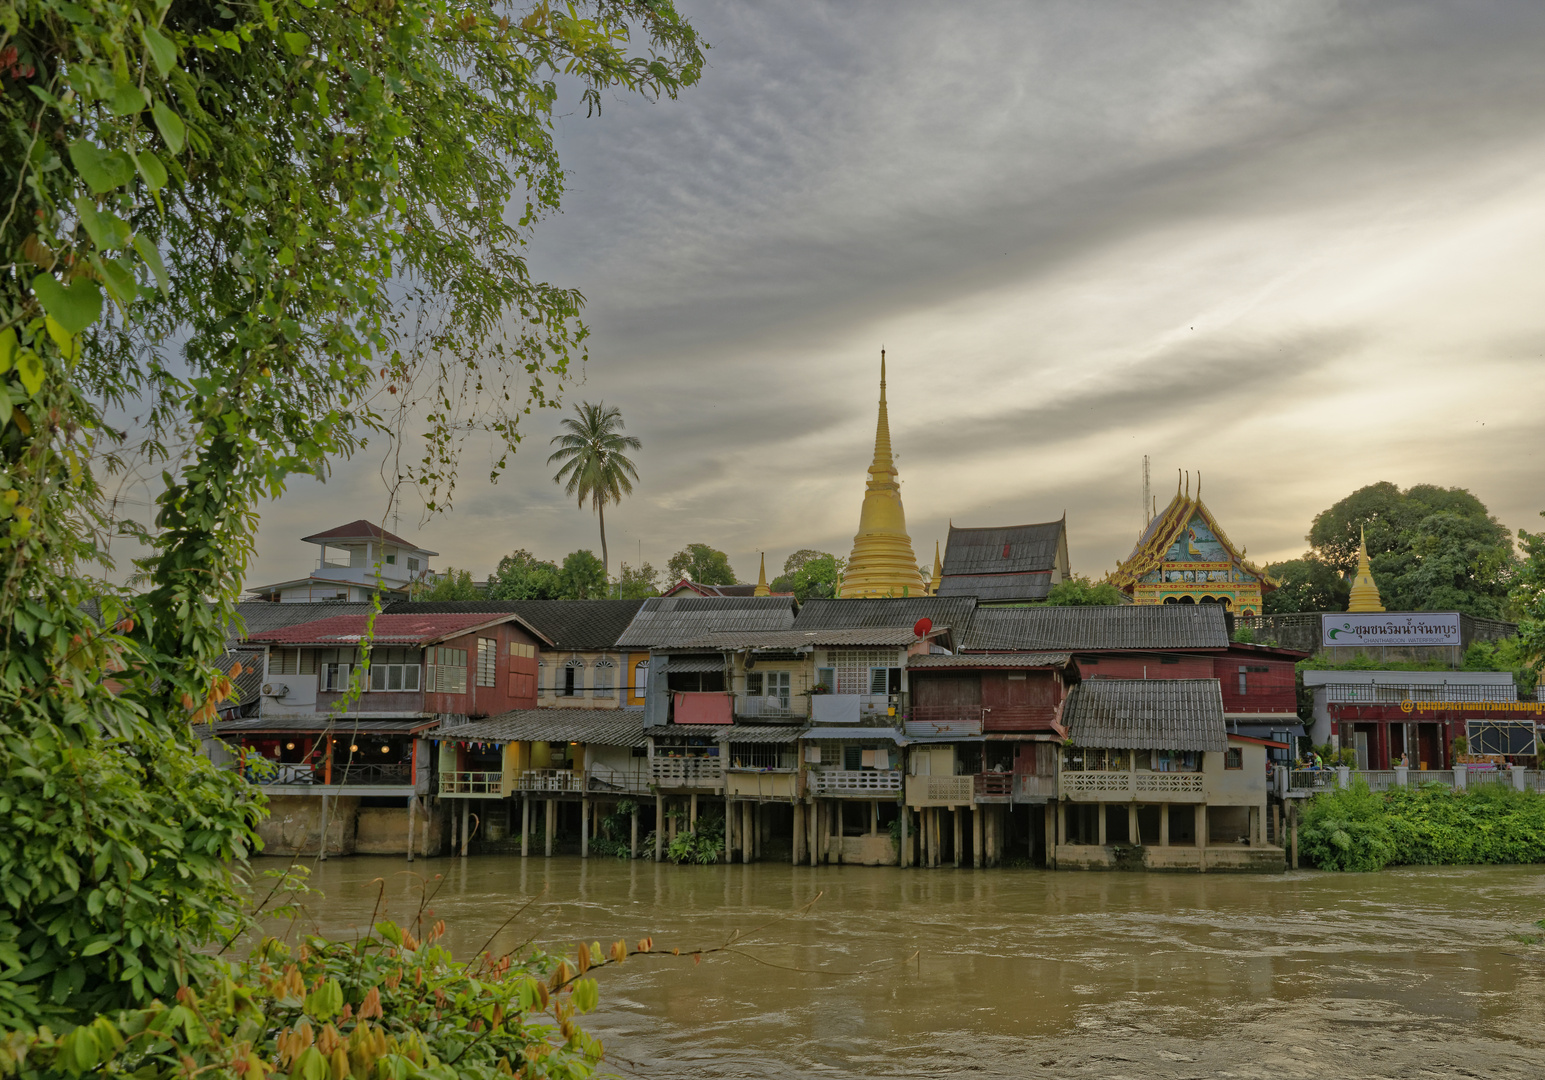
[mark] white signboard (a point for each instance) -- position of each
(1426, 628)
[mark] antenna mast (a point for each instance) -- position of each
(1147, 514)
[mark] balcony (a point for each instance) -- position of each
(1140, 786)
(939, 791)
(1021, 718)
(465, 784)
(862, 782)
(992, 786)
(556, 780)
(686, 772)
(854, 708)
(774, 709)
(359, 774)
(943, 721)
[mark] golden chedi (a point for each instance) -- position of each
(1365, 594)
(882, 562)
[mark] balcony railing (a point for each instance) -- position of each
(472, 783)
(757, 707)
(925, 721)
(1135, 784)
(686, 771)
(283, 773)
(363, 774)
(1028, 786)
(852, 708)
(856, 782)
(550, 780)
(993, 785)
(939, 790)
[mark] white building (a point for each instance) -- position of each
(353, 561)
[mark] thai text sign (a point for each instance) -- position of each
(1386, 629)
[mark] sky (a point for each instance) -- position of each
(1293, 248)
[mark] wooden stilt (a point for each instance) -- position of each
(1293, 828)
(525, 826)
(633, 841)
(552, 826)
(976, 837)
(955, 819)
(874, 818)
(812, 827)
(659, 828)
(466, 819)
(692, 819)
(1049, 827)
(412, 806)
(584, 828)
(798, 818)
(904, 856)
(747, 832)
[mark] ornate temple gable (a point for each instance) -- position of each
(1184, 556)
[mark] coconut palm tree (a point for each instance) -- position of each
(594, 466)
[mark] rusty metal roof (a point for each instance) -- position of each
(1147, 714)
(992, 660)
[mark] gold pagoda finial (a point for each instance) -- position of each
(938, 572)
(1198, 485)
(761, 579)
(882, 562)
(1188, 483)
(1365, 593)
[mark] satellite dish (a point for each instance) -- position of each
(922, 626)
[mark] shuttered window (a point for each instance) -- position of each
(487, 661)
(449, 674)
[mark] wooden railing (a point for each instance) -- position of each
(549, 780)
(856, 781)
(472, 783)
(993, 785)
(686, 771)
(1029, 786)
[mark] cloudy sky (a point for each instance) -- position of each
(1296, 247)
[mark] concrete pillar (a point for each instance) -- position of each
(552, 826)
(798, 815)
(995, 834)
(1134, 837)
(812, 827)
(584, 828)
(1293, 830)
(632, 844)
(1461, 778)
(731, 808)
(1164, 824)
(659, 828)
(1102, 824)
(955, 813)
(692, 817)
(412, 806)
(1062, 823)
(1402, 776)
(1276, 823)
(874, 818)
(1254, 827)
(1049, 827)
(525, 826)
(904, 856)
(1343, 776)
(1518, 777)
(976, 836)
(1201, 825)
(747, 840)
(671, 818)
(938, 837)
(466, 818)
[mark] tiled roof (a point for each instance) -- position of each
(571, 624)
(388, 630)
(669, 622)
(594, 727)
(698, 588)
(890, 613)
(363, 725)
(992, 660)
(998, 588)
(359, 530)
(1126, 626)
(263, 616)
(1147, 714)
(794, 639)
(982, 551)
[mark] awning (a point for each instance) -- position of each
(857, 733)
(695, 663)
(339, 725)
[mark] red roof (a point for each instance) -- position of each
(389, 629)
(358, 530)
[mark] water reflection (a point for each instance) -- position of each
(1004, 973)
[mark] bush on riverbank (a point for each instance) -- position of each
(1359, 829)
(387, 1008)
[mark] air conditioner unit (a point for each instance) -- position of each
(275, 690)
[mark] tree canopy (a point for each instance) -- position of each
(1528, 599)
(702, 564)
(582, 577)
(817, 578)
(520, 575)
(594, 466)
(1079, 591)
(1308, 584)
(454, 584)
(637, 584)
(267, 231)
(784, 582)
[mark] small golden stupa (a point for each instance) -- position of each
(938, 572)
(761, 579)
(882, 562)
(1365, 594)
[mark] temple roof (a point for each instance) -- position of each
(1170, 528)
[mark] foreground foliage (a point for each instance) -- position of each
(390, 1007)
(1359, 829)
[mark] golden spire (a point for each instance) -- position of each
(882, 562)
(761, 579)
(938, 572)
(1365, 594)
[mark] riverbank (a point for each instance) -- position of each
(897, 973)
(1359, 829)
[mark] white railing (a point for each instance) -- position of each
(1379, 779)
(1445, 777)
(757, 707)
(1534, 780)
(472, 783)
(1096, 783)
(939, 790)
(549, 780)
(859, 782)
(686, 771)
(1135, 784)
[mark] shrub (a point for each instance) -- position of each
(704, 845)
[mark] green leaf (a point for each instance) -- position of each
(162, 52)
(30, 367)
(100, 945)
(151, 169)
(65, 340)
(297, 43)
(103, 170)
(170, 125)
(107, 229)
(286, 257)
(152, 257)
(119, 279)
(75, 306)
(127, 100)
(7, 349)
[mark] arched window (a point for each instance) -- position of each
(640, 678)
(604, 670)
(573, 679)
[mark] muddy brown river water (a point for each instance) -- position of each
(944, 973)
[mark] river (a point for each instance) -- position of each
(936, 973)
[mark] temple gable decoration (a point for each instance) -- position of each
(1184, 557)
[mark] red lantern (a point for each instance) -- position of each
(922, 626)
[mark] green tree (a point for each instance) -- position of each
(1528, 601)
(818, 578)
(1307, 584)
(1080, 591)
(1431, 548)
(639, 584)
(702, 564)
(281, 201)
(520, 575)
(784, 582)
(594, 465)
(454, 584)
(582, 577)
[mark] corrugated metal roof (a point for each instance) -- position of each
(1128, 626)
(982, 551)
(669, 622)
(263, 616)
(794, 639)
(1147, 714)
(992, 660)
(418, 629)
(895, 613)
(731, 733)
(594, 727)
(855, 733)
(318, 722)
(998, 588)
(570, 624)
(695, 663)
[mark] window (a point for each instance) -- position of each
(394, 669)
(855, 669)
(1169, 659)
(521, 649)
(573, 679)
(412, 566)
(1176, 761)
(852, 757)
(827, 677)
(753, 684)
(391, 560)
(603, 678)
(284, 661)
(1234, 758)
(1242, 684)
(776, 685)
(449, 674)
(335, 677)
(522, 685)
(541, 678)
(487, 661)
(879, 680)
(640, 678)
